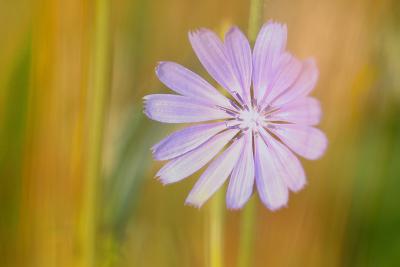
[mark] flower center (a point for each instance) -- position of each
(250, 119)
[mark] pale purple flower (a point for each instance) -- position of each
(266, 118)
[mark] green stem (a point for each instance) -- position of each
(255, 18)
(216, 230)
(98, 88)
(248, 216)
(247, 234)
(217, 203)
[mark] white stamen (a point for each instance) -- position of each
(250, 119)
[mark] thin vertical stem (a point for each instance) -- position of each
(248, 216)
(255, 18)
(216, 230)
(247, 234)
(98, 87)
(216, 216)
(217, 204)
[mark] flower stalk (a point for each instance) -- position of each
(247, 224)
(216, 230)
(255, 19)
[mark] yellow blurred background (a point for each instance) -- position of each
(76, 174)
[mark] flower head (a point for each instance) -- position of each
(250, 136)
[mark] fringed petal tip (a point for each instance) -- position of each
(158, 66)
(312, 66)
(154, 155)
(236, 204)
(154, 148)
(232, 30)
(234, 207)
(191, 203)
(200, 30)
(321, 146)
(276, 24)
(324, 147)
(196, 33)
(276, 208)
(300, 187)
(144, 100)
(158, 178)
(145, 110)
(162, 179)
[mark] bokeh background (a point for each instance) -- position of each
(76, 174)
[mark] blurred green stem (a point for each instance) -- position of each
(248, 216)
(255, 18)
(98, 85)
(216, 230)
(247, 234)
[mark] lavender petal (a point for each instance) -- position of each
(287, 70)
(271, 187)
(303, 85)
(270, 43)
(187, 164)
(180, 109)
(186, 140)
(306, 141)
(286, 164)
(239, 52)
(304, 111)
(213, 56)
(188, 83)
(242, 178)
(215, 175)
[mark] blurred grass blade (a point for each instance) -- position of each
(12, 141)
(98, 89)
(132, 162)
